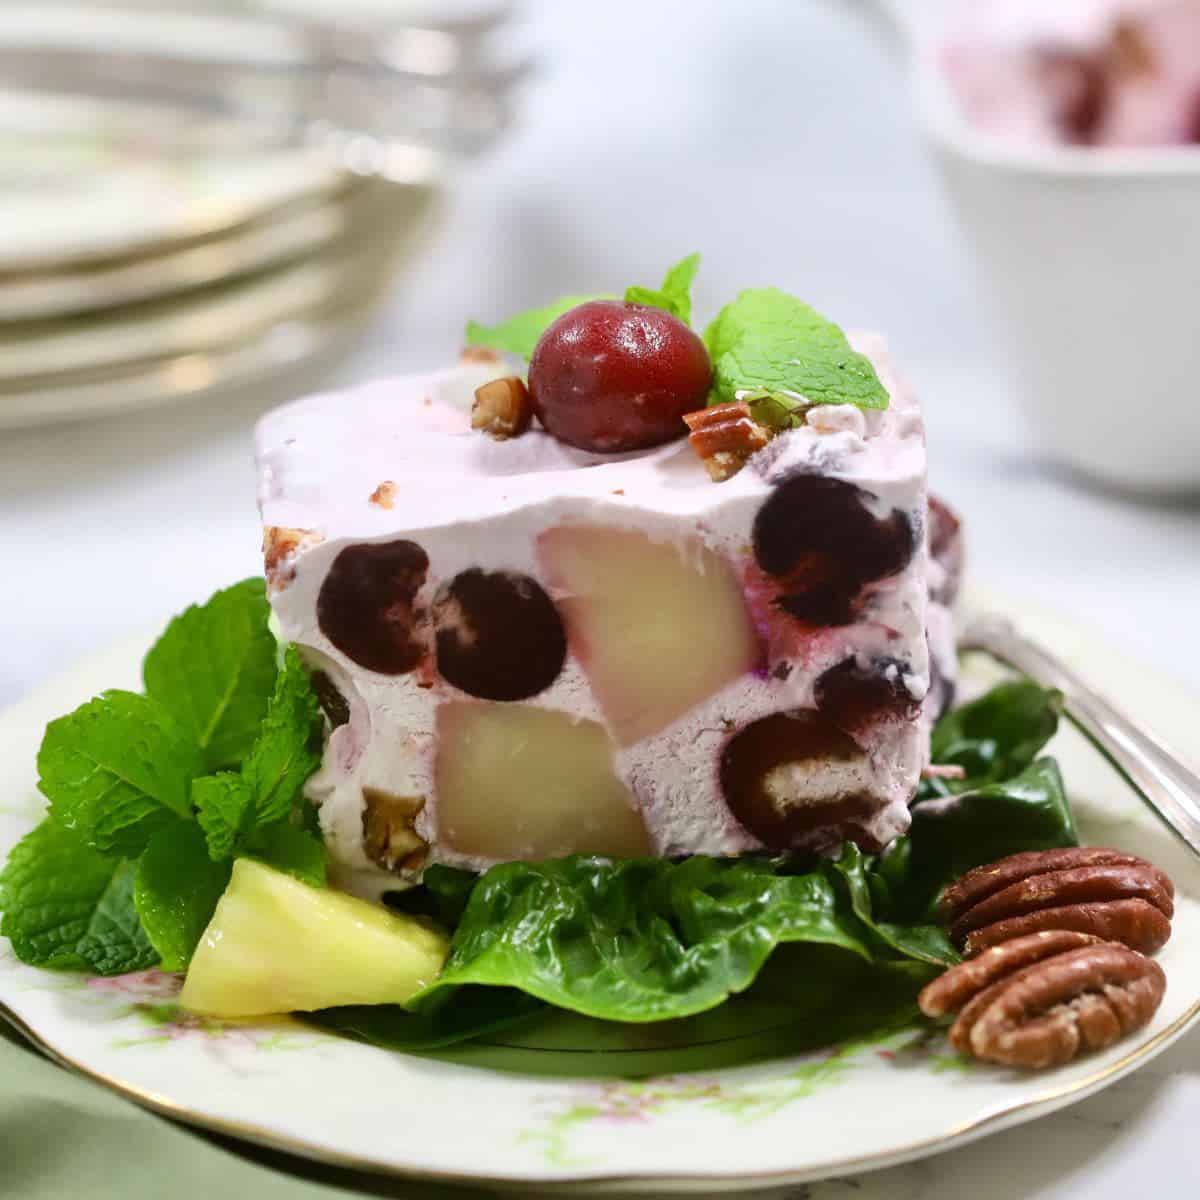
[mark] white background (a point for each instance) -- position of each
(775, 137)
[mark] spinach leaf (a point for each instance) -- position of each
(952, 834)
(476, 1011)
(673, 946)
(805, 997)
(922, 943)
(442, 895)
(993, 738)
(638, 939)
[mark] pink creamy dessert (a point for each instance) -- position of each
(1085, 72)
(527, 650)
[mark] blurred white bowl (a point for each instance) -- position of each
(1090, 262)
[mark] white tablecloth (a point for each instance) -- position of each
(775, 138)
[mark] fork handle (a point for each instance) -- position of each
(1149, 764)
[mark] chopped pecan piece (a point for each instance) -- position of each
(725, 436)
(943, 771)
(281, 546)
(1046, 1013)
(502, 408)
(389, 836)
(478, 354)
(384, 495)
(1116, 896)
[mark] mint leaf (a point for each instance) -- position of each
(768, 343)
(520, 334)
(230, 807)
(49, 890)
(116, 770)
(288, 747)
(115, 941)
(289, 848)
(213, 670)
(675, 295)
(176, 891)
(677, 283)
(224, 807)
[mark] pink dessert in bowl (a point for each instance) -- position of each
(1079, 72)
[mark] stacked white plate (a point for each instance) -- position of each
(149, 254)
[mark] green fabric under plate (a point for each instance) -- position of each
(65, 1138)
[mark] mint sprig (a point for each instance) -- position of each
(767, 344)
(68, 907)
(143, 827)
(521, 334)
(675, 294)
(177, 889)
(287, 749)
(224, 810)
(236, 811)
(290, 848)
(116, 770)
(115, 941)
(767, 348)
(213, 670)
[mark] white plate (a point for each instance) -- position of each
(86, 180)
(216, 338)
(861, 1106)
(299, 230)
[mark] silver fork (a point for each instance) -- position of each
(1151, 767)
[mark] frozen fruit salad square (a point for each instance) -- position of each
(542, 650)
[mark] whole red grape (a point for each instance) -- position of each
(610, 376)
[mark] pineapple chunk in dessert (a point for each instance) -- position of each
(517, 782)
(276, 945)
(657, 627)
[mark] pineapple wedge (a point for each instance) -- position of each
(276, 945)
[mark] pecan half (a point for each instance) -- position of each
(1116, 896)
(1137, 924)
(389, 837)
(978, 884)
(955, 987)
(502, 407)
(1046, 1013)
(725, 436)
